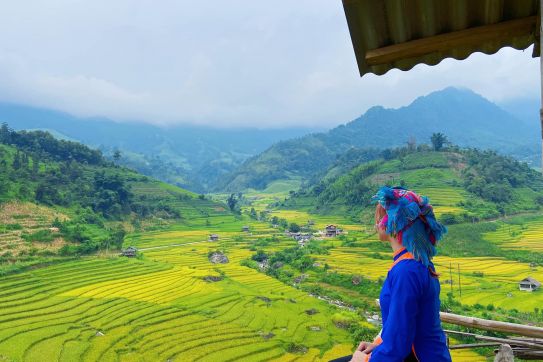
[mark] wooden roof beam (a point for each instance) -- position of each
(471, 37)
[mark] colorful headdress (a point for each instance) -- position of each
(410, 218)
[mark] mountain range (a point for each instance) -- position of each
(466, 118)
(188, 156)
(204, 159)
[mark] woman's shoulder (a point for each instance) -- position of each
(409, 269)
(409, 264)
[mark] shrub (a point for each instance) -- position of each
(42, 236)
(361, 333)
(14, 227)
(448, 218)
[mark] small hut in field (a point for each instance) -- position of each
(332, 230)
(129, 252)
(529, 284)
(213, 237)
(245, 229)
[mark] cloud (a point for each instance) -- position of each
(241, 63)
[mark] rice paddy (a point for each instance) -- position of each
(481, 280)
(519, 234)
(164, 307)
(20, 218)
(161, 308)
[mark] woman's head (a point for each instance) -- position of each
(408, 218)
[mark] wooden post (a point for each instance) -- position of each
(459, 282)
(450, 275)
(505, 354)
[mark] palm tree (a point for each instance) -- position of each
(438, 140)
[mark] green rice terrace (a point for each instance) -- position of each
(224, 277)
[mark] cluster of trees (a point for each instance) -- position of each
(487, 174)
(36, 167)
(45, 146)
(493, 177)
(351, 188)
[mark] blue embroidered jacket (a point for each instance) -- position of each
(410, 309)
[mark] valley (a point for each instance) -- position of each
(255, 290)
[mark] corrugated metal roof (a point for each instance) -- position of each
(375, 24)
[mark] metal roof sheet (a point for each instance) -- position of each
(375, 24)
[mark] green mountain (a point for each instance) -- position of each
(464, 185)
(188, 156)
(467, 119)
(94, 200)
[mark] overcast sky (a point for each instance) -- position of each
(225, 63)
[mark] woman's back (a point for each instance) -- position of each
(410, 309)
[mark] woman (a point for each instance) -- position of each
(409, 298)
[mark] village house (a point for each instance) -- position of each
(129, 252)
(245, 229)
(529, 284)
(332, 230)
(213, 237)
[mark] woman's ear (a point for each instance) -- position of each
(380, 213)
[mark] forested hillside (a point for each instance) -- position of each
(192, 157)
(450, 111)
(94, 201)
(465, 185)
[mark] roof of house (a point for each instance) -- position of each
(531, 281)
(131, 248)
(403, 33)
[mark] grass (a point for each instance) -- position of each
(161, 307)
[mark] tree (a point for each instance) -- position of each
(117, 155)
(387, 154)
(438, 140)
(35, 167)
(253, 213)
(117, 236)
(16, 161)
(294, 228)
(260, 256)
(232, 202)
(5, 133)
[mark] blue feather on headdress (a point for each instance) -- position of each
(413, 217)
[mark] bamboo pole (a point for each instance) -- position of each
(489, 325)
(527, 354)
(459, 282)
(535, 346)
(473, 345)
(450, 274)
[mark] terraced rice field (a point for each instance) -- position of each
(497, 285)
(302, 217)
(527, 235)
(17, 218)
(161, 309)
(445, 200)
